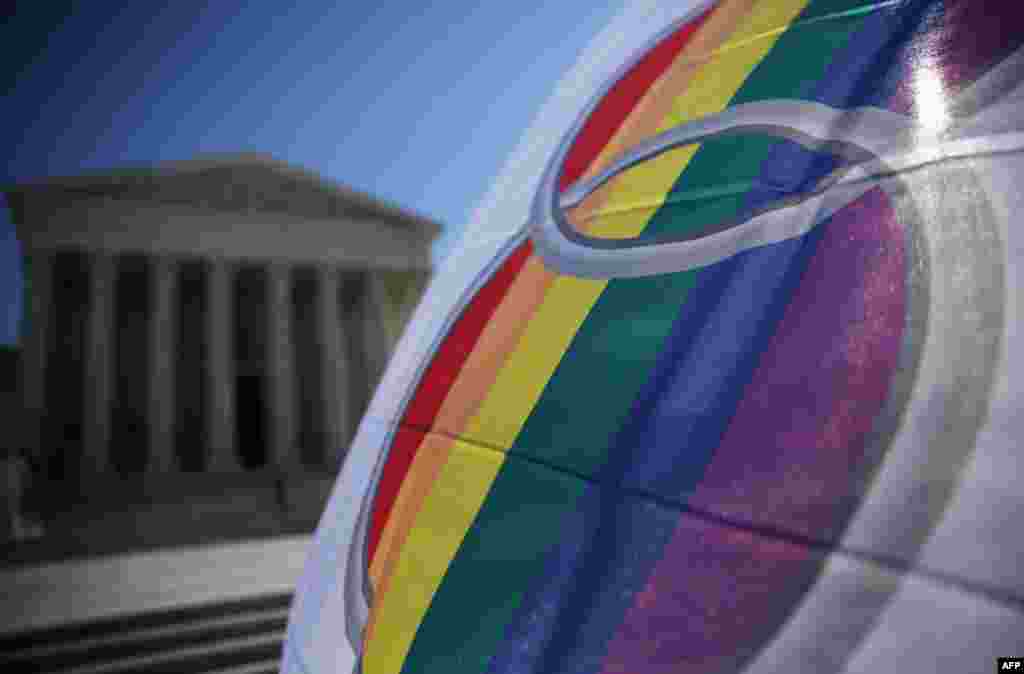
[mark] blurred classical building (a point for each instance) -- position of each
(201, 339)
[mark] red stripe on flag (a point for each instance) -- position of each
(435, 384)
(460, 341)
(613, 109)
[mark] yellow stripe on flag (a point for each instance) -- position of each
(447, 514)
(449, 509)
(713, 85)
(524, 374)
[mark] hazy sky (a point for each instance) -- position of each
(419, 105)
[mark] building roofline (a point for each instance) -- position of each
(101, 180)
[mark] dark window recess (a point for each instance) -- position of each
(251, 411)
(191, 443)
(62, 425)
(129, 430)
(308, 369)
(250, 342)
(10, 370)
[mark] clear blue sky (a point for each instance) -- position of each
(419, 105)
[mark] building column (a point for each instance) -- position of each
(376, 340)
(414, 293)
(337, 374)
(99, 366)
(281, 368)
(36, 346)
(161, 353)
(220, 368)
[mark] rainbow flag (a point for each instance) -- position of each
(647, 475)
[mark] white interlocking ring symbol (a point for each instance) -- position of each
(878, 143)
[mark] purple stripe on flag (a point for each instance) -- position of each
(797, 439)
(786, 458)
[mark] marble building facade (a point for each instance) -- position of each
(192, 327)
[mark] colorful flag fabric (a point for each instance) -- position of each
(799, 456)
